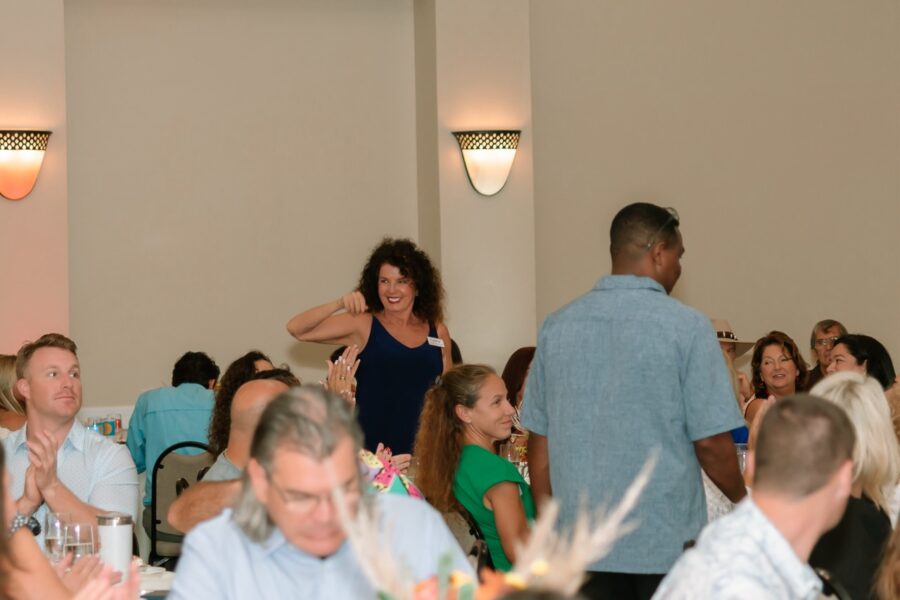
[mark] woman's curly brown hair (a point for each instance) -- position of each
(237, 374)
(439, 440)
(789, 347)
(413, 263)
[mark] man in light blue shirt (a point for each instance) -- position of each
(169, 415)
(55, 463)
(621, 371)
(284, 538)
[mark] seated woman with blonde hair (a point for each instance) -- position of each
(12, 414)
(464, 414)
(852, 550)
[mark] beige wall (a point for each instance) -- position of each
(773, 127)
(33, 231)
(487, 243)
(232, 164)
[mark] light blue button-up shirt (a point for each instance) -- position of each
(222, 470)
(98, 471)
(741, 556)
(619, 372)
(220, 561)
(167, 416)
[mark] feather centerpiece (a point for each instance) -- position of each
(550, 560)
(365, 537)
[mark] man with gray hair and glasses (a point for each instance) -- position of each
(283, 537)
(821, 341)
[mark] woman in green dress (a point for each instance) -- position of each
(464, 415)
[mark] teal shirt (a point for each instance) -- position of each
(478, 471)
(164, 417)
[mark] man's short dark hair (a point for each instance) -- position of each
(48, 340)
(640, 225)
(803, 441)
(283, 375)
(195, 367)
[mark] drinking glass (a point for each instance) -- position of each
(742, 456)
(79, 540)
(55, 535)
(508, 450)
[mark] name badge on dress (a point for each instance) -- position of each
(435, 341)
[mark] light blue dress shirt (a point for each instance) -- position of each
(741, 556)
(222, 470)
(98, 471)
(619, 372)
(167, 416)
(220, 561)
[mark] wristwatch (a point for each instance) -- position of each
(21, 521)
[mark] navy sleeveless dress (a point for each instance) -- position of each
(390, 387)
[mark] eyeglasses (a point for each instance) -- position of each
(306, 503)
(673, 216)
(827, 342)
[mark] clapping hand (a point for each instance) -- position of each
(101, 587)
(354, 303)
(400, 461)
(42, 452)
(342, 373)
(31, 498)
(76, 575)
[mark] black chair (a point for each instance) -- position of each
(480, 548)
(172, 473)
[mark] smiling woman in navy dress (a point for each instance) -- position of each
(395, 316)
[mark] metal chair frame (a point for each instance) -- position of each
(180, 485)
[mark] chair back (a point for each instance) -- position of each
(171, 474)
(831, 588)
(480, 548)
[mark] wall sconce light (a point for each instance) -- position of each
(488, 156)
(21, 155)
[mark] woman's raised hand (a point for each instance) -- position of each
(342, 373)
(354, 303)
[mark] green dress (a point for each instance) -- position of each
(478, 471)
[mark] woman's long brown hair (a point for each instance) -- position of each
(439, 439)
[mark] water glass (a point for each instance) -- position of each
(508, 451)
(79, 540)
(55, 535)
(742, 456)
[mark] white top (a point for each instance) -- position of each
(740, 556)
(717, 503)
